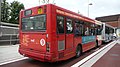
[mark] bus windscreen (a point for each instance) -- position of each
(34, 23)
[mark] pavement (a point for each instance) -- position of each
(9, 53)
(110, 59)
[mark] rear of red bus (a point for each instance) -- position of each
(34, 32)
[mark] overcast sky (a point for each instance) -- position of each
(97, 9)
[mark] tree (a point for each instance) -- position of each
(5, 11)
(15, 8)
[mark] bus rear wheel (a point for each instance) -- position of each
(96, 45)
(78, 51)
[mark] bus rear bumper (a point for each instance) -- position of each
(45, 57)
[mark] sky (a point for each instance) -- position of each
(98, 8)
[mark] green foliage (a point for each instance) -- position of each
(15, 8)
(4, 11)
(10, 12)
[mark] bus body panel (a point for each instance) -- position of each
(64, 42)
(107, 33)
(69, 41)
(88, 42)
(33, 44)
(34, 41)
(99, 38)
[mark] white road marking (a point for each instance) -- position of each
(84, 61)
(13, 61)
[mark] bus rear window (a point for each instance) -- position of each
(34, 23)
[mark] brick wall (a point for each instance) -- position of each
(113, 23)
(119, 22)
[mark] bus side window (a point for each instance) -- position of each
(69, 24)
(99, 30)
(60, 24)
(79, 28)
(92, 29)
(86, 28)
(87, 31)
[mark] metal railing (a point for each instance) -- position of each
(9, 34)
(9, 39)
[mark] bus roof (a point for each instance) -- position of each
(98, 22)
(65, 10)
(71, 12)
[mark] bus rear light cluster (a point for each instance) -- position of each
(47, 46)
(45, 9)
(47, 35)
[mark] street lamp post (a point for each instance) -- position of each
(0, 11)
(39, 2)
(88, 7)
(0, 18)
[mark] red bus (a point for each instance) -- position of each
(50, 33)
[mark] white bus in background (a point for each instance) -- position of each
(108, 33)
(118, 32)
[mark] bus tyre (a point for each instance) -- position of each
(96, 44)
(78, 51)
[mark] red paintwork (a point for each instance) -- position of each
(88, 46)
(35, 50)
(69, 41)
(33, 45)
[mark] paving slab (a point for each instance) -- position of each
(9, 53)
(111, 58)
